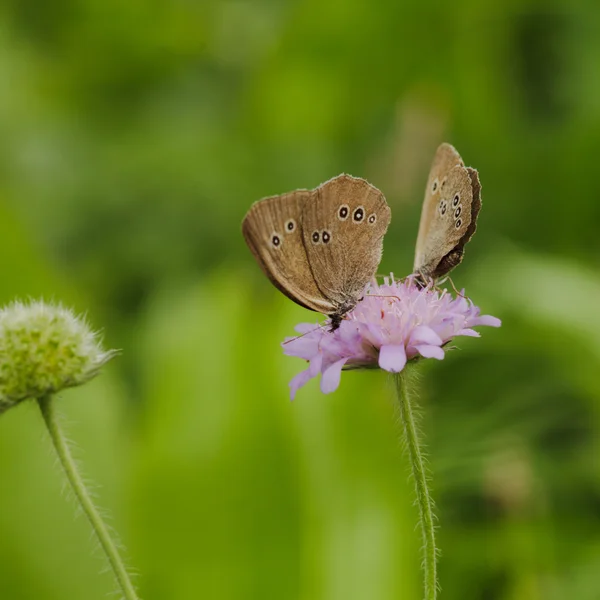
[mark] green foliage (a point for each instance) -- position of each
(135, 135)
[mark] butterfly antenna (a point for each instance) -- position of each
(293, 339)
(448, 278)
(383, 296)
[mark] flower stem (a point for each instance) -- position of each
(424, 500)
(66, 459)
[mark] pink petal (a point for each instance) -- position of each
(469, 332)
(330, 380)
(424, 335)
(315, 364)
(304, 347)
(392, 357)
(373, 333)
(298, 381)
(430, 351)
(348, 331)
(486, 320)
(306, 327)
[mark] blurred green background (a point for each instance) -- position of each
(135, 134)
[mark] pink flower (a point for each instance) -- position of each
(394, 323)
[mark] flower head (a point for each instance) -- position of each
(43, 349)
(395, 322)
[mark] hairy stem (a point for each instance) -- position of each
(424, 500)
(83, 497)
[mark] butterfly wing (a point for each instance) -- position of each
(449, 215)
(344, 222)
(272, 229)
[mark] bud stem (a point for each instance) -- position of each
(424, 500)
(84, 499)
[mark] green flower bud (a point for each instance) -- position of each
(44, 349)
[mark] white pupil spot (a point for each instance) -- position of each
(326, 237)
(443, 207)
(290, 226)
(458, 223)
(456, 200)
(457, 212)
(343, 212)
(372, 219)
(359, 214)
(315, 237)
(275, 240)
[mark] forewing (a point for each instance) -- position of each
(272, 229)
(344, 222)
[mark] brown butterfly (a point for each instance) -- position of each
(449, 216)
(320, 247)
